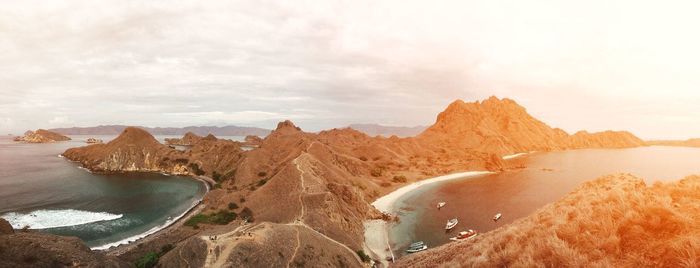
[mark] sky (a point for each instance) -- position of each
(594, 65)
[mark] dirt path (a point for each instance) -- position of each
(295, 249)
(218, 250)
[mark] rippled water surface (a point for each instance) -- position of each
(516, 194)
(46, 192)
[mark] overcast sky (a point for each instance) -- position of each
(591, 65)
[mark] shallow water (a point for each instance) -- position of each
(515, 194)
(40, 189)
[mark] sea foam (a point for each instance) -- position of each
(45, 219)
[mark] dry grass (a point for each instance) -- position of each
(614, 221)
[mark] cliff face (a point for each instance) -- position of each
(137, 150)
(614, 221)
(41, 136)
(30, 249)
(502, 127)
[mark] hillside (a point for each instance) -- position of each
(387, 131)
(682, 143)
(198, 130)
(502, 127)
(614, 221)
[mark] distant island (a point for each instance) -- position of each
(41, 136)
(199, 130)
(388, 131)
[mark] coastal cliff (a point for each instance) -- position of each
(614, 221)
(41, 136)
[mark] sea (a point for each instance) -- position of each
(41, 190)
(515, 194)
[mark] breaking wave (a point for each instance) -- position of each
(45, 219)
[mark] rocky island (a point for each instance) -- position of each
(41, 136)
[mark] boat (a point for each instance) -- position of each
(497, 217)
(464, 235)
(440, 205)
(416, 244)
(416, 247)
(451, 224)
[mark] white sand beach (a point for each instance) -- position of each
(511, 156)
(376, 231)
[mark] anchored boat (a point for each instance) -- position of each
(497, 217)
(416, 247)
(451, 224)
(440, 205)
(464, 235)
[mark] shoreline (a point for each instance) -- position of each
(377, 231)
(126, 243)
(121, 246)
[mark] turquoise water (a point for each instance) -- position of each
(516, 194)
(48, 193)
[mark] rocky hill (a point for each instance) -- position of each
(198, 130)
(189, 139)
(41, 136)
(502, 127)
(614, 221)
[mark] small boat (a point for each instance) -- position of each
(440, 205)
(464, 235)
(417, 244)
(451, 224)
(497, 217)
(417, 248)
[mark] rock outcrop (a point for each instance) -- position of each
(614, 221)
(41, 136)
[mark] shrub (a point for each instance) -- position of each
(246, 213)
(363, 158)
(262, 182)
(376, 172)
(242, 200)
(147, 261)
(182, 161)
(232, 206)
(195, 169)
(216, 176)
(399, 179)
(262, 174)
(165, 248)
(222, 217)
(363, 255)
(385, 184)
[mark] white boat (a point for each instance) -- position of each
(464, 235)
(451, 224)
(416, 249)
(440, 205)
(417, 244)
(497, 217)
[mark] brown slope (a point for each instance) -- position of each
(502, 127)
(188, 139)
(614, 221)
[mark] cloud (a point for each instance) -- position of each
(593, 65)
